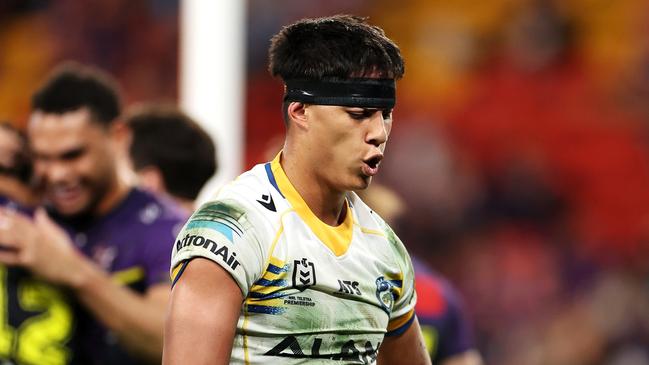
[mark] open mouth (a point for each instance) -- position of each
(371, 165)
(374, 161)
(65, 195)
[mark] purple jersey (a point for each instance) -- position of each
(132, 242)
(441, 315)
(37, 320)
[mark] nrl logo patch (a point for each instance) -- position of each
(303, 274)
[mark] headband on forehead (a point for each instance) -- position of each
(356, 92)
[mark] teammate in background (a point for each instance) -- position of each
(287, 264)
(439, 308)
(35, 317)
(116, 262)
(170, 153)
(15, 167)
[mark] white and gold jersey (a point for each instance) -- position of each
(313, 293)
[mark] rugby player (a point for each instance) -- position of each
(35, 325)
(169, 152)
(113, 253)
(286, 264)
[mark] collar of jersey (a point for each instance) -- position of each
(337, 238)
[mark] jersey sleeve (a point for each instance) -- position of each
(221, 231)
(403, 309)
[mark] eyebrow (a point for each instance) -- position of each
(70, 154)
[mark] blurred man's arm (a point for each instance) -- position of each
(407, 348)
(471, 357)
(138, 320)
(202, 317)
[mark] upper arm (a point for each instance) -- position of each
(202, 316)
(410, 342)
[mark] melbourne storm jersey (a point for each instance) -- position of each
(132, 243)
(313, 293)
(37, 319)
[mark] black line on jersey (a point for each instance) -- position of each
(233, 225)
(225, 218)
(225, 222)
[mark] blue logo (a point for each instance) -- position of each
(385, 293)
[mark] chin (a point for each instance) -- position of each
(363, 183)
(71, 210)
(67, 212)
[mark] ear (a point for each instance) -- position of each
(121, 135)
(297, 114)
(150, 178)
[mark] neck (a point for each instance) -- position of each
(325, 202)
(114, 196)
(187, 205)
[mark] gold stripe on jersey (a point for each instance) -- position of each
(265, 295)
(270, 261)
(175, 271)
(275, 276)
(400, 321)
(397, 287)
(244, 332)
(372, 231)
(338, 238)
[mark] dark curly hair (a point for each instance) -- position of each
(72, 86)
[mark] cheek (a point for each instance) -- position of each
(388, 127)
(92, 166)
(39, 168)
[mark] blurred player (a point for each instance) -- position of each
(440, 310)
(35, 317)
(287, 265)
(116, 266)
(170, 153)
(15, 167)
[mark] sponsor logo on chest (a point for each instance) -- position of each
(356, 351)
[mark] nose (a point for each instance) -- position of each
(51, 171)
(378, 131)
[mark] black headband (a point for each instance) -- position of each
(357, 92)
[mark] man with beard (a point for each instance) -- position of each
(35, 316)
(113, 251)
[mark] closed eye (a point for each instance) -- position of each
(73, 154)
(360, 114)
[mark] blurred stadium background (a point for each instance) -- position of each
(520, 145)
